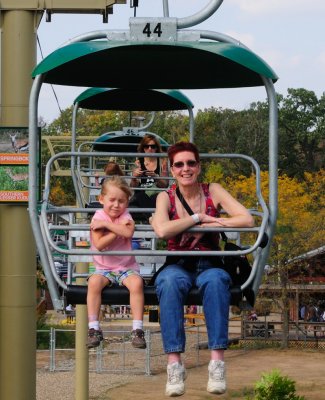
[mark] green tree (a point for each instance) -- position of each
(301, 132)
(230, 131)
(300, 225)
(172, 126)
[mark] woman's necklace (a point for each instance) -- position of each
(196, 205)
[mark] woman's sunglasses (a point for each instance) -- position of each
(189, 163)
(150, 146)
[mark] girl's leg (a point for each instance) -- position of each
(96, 284)
(134, 283)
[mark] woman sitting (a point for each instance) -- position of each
(187, 204)
(148, 173)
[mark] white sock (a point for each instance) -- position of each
(94, 325)
(137, 324)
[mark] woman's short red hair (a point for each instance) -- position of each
(182, 146)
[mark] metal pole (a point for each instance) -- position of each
(17, 247)
(82, 356)
(82, 361)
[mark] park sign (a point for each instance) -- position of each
(14, 143)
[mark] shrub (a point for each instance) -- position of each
(273, 386)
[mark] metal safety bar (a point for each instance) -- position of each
(81, 213)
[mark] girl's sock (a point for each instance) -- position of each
(94, 325)
(137, 324)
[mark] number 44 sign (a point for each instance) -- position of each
(153, 29)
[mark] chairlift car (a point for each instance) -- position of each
(127, 139)
(155, 53)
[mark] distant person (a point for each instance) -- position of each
(112, 228)
(312, 313)
(124, 311)
(252, 316)
(102, 312)
(112, 311)
(111, 168)
(303, 312)
(70, 312)
(148, 173)
(191, 310)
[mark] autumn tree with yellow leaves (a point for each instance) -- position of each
(300, 225)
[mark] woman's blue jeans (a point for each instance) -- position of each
(173, 284)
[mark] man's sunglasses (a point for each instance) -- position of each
(189, 163)
(150, 146)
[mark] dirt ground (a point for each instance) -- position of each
(244, 368)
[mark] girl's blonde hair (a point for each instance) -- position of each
(119, 182)
(112, 168)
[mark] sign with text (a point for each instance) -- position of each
(14, 145)
(153, 29)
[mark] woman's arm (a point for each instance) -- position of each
(163, 183)
(136, 173)
(239, 216)
(162, 225)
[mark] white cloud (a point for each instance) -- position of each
(287, 34)
(273, 57)
(259, 7)
(279, 59)
(246, 38)
(321, 59)
(295, 60)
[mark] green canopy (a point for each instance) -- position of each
(136, 65)
(133, 100)
(120, 142)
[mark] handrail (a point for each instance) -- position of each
(46, 228)
(200, 16)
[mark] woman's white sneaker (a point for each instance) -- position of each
(176, 376)
(217, 379)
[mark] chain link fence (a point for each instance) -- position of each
(56, 351)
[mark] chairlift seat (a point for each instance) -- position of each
(77, 294)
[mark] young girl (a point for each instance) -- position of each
(111, 168)
(112, 228)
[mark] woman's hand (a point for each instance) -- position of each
(190, 239)
(207, 221)
(137, 172)
(152, 174)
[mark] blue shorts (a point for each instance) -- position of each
(116, 277)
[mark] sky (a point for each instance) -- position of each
(287, 34)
